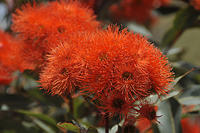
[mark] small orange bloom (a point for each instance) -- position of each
(148, 111)
(62, 73)
(44, 26)
(196, 4)
(115, 103)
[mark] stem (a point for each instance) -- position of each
(106, 117)
(71, 105)
(184, 19)
(69, 100)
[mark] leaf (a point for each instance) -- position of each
(176, 112)
(114, 129)
(192, 90)
(40, 116)
(184, 19)
(190, 100)
(171, 94)
(11, 120)
(43, 126)
(179, 78)
(69, 126)
(166, 120)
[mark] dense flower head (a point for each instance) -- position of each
(196, 4)
(126, 62)
(63, 70)
(10, 52)
(43, 26)
(138, 10)
(116, 68)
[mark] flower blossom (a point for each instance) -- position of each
(126, 62)
(10, 53)
(43, 26)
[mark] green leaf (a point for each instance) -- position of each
(191, 100)
(176, 112)
(179, 78)
(171, 94)
(167, 124)
(43, 126)
(40, 116)
(69, 126)
(12, 121)
(192, 90)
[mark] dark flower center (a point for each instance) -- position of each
(103, 56)
(127, 76)
(118, 103)
(61, 29)
(152, 115)
(64, 71)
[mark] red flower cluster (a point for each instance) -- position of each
(138, 10)
(42, 27)
(196, 4)
(126, 62)
(115, 67)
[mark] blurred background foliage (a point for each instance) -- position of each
(25, 108)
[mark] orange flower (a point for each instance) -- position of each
(196, 4)
(114, 103)
(148, 112)
(126, 62)
(138, 10)
(43, 26)
(10, 52)
(189, 126)
(63, 70)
